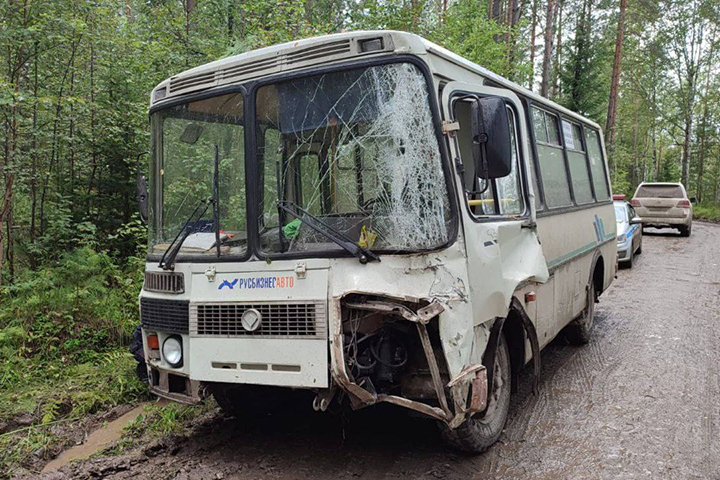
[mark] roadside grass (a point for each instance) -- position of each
(40, 401)
(64, 360)
(158, 420)
(707, 212)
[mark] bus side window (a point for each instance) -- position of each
(502, 196)
(578, 164)
(597, 164)
(550, 159)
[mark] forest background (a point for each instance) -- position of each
(75, 79)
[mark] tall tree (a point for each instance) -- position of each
(615, 79)
(548, 49)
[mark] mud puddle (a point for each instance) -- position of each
(96, 441)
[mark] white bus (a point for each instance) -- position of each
(368, 218)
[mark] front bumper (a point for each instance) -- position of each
(624, 253)
(174, 385)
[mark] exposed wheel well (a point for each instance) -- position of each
(515, 339)
(598, 275)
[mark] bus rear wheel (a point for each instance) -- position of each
(578, 332)
(481, 431)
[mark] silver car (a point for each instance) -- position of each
(664, 205)
(629, 231)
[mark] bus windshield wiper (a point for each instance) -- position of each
(168, 259)
(363, 254)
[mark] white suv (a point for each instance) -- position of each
(664, 205)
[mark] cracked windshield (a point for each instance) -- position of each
(353, 153)
(185, 141)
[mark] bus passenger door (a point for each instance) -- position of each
(498, 215)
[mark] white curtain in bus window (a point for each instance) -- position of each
(597, 165)
(578, 165)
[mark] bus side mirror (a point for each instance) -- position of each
(142, 192)
(491, 143)
(142, 197)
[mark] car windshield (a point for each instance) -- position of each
(659, 191)
(620, 213)
(184, 143)
(356, 149)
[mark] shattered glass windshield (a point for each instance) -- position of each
(184, 139)
(357, 149)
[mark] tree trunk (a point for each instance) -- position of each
(33, 172)
(533, 28)
(554, 93)
(615, 80)
(715, 180)
(685, 163)
(703, 126)
(494, 11)
(547, 53)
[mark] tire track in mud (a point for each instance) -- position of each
(640, 401)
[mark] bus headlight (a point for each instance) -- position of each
(172, 351)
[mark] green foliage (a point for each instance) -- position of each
(82, 305)
(581, 74)
(707, 212)
(467, 31)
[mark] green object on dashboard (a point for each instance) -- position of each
(292, 229)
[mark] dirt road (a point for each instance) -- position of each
(642, 400)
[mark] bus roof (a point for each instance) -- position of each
(318, 50)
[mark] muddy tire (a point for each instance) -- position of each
(685, 231)
(578, 332)
(481, 431)
(639, 249)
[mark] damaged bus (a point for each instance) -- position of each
(368, 218)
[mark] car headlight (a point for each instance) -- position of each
(172, 351)
(621, 238)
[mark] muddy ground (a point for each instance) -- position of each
(642, 400)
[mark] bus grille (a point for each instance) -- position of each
(170, 316)
(164, 282)
(286, 320)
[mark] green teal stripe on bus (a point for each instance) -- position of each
(577, 252)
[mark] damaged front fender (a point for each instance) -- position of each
(380, 376)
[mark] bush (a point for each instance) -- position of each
(81, 306)
(707, 212)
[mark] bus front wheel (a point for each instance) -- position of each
(481, 431)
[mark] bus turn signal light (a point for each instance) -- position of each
(153, 342)
(530, 297)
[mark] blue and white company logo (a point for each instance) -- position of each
(229, 284)
(248, 283)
